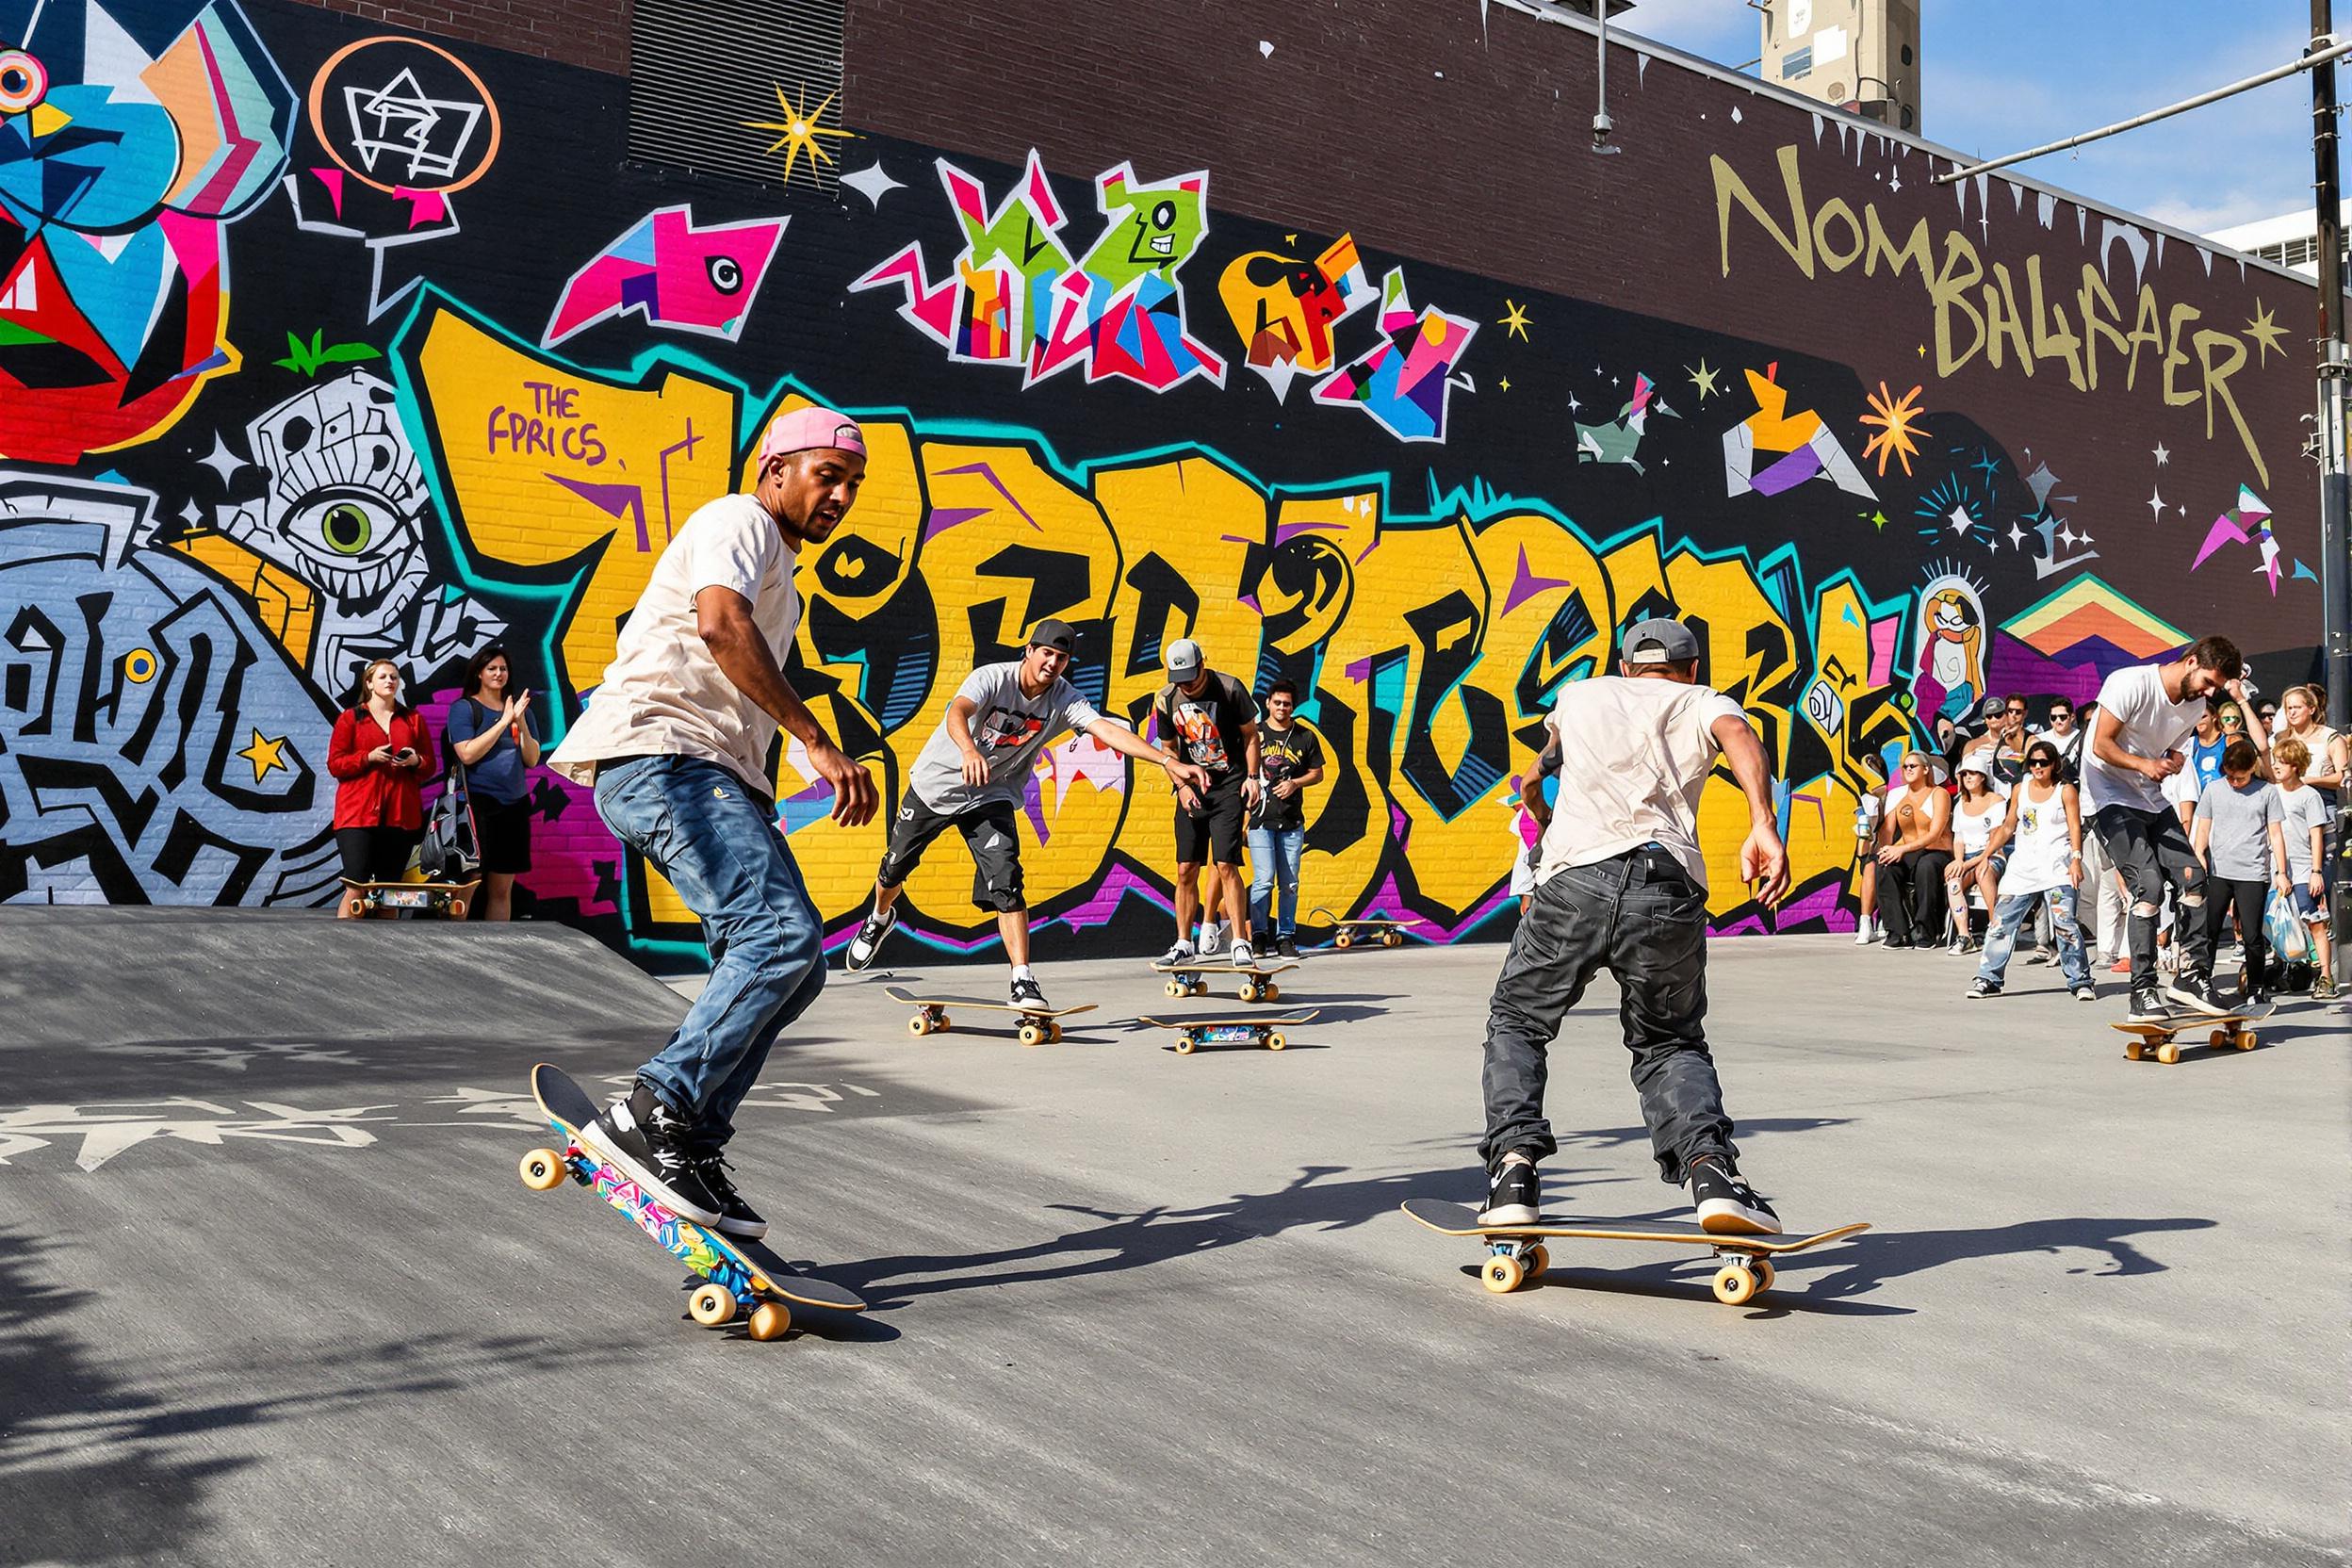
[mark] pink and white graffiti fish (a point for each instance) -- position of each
(672, 273)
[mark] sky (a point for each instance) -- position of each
(2003, 75)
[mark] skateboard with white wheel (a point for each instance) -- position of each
(414, 898)
(737, 1273)
(1254, 1029)
(1257, 979)
(1515, 1254)
(1348, 933)
(2158, 1037)
(1039, 1025)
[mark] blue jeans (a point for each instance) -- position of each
(2012, 912)
(715, 838)
(1274, 854)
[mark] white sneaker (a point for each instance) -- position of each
(1212, 941)
(1242, 957)
(1866, 933)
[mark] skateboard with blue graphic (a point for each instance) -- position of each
(737, 1273)
(1257, 1029)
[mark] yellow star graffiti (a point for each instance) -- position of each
(2265, 331)
(263, 755)
(1516, 321)
(1504, 383)
(798, 133)
(1703, 378)
(1899, 428)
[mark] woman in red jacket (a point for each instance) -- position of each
(379, 754)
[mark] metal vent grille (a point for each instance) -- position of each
(702, 71)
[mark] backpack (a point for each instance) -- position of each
(452, 851)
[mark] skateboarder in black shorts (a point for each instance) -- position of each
(1622, 886)
(1209, 718)
(970, 776)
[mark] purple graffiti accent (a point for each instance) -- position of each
(942, 518)
(989, 473)
(1389, 903)
(2224, 531)
(1399, 826)
(1033, 807)
(613, 501)
(2017, 666)
(565, 864)
(1525, 585)
(1285, 532)
(1820, 905)
(1250, 602)
(1116, 884)
(1788, 473)
(811, 805)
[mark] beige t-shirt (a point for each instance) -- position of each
(663, 694)
(1634, 754)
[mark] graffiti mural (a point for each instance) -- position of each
(405, 436)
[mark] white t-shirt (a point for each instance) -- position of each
(2147, 724)
(1972, 830)
(663, 694)
(1634, 754)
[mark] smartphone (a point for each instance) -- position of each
(406, 754)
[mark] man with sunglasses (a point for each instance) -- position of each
(970, 776)
(2043, 835)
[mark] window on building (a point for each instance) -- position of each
(746, 87)
(1796, 63)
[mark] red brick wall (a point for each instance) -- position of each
(591, 33)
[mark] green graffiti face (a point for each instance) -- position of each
(1151, 228)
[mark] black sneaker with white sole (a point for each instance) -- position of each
(1727, 1206)
(2195, 991)
(1513, 1196)
(1026, 993)
(1181, 953)
(639, 1136)
(1285, 948)
(2148, 1006)
(1980, 986)
(736, 1217)
(868, 941)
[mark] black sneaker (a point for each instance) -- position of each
(868, 941)
(1181, 953)
(2195, 991)
(1898, 941)
(639, 1136)
(2148, 1006)
(2257, 1000)
(736, 1217)
(1980, 986)
(1729, 1206)
(1026, 993)
(1513, 1196)
(1285, 948)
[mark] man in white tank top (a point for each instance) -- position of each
(1621, 884)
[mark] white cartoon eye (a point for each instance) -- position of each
(1164, 216)
(726, 275)
(342, 524)
(23, 81)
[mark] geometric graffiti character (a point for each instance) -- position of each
(1618, 442)
(1284, 307)
(1799, 445)
(674, 273)
(128, 144)
(155, 743)
(2247, 523)
(344, 512)
(1404, 381)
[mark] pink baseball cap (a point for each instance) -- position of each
(803, 428)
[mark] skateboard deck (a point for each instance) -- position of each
(439, 898)
(1257, 979)
(1516, 1253)
(1388, 933)
(737, 1272)
(1253, 1029)
(2224, 1030)
(1039, 1025)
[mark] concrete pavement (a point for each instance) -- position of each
(273, 1293)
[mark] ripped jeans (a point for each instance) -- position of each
(2150, 849)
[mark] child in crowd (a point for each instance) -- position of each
(2239, 836)
(2303, 824)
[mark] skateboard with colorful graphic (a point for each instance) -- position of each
(1517, 1255)
(737, 1273)
(2156, 1038)
(1388, 933)
(1039, 1025)
(416, 898)
(1257, 979)
(1259, 1029)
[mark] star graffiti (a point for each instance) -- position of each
(1516, 322)
(1703, 378)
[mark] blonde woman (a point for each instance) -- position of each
(378, 755)
(1914, 847)
(2299, 719)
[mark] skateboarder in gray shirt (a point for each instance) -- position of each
(970, 776)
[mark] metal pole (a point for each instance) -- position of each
(2335, 486)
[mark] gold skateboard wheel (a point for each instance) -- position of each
(711, 1305)
(543, 1170)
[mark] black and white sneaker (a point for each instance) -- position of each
(2256, 1000)
(2195, 991)
(736, 1217)
(639, 1136)
(2086, 993)
(868, 941)
(2148, 1006)
(1181, 953)
(1026, 993)
(1513, 1196)
(1285, 948)
(1980, 986)
(1729, 1206)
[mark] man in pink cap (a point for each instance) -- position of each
(674, 743)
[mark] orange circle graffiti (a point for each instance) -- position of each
(317, 117)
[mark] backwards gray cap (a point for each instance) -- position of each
(1659, 640)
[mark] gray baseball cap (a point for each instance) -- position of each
(1184, 658)
(1659, 641)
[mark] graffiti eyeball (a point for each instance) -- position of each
(1164, 219)
(23, 81)
(336, 528)
(726, 274)
(138, 666)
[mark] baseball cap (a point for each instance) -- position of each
(805, 428)
(1059, 635)
(1669, 642)
(1184, 658)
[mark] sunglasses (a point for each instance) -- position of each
(2041, 762)
(2232, 721)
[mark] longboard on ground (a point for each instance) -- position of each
(737, 1272)
(1253, 1029)
(1516, 1255)
(2156, 1038)
(1039, 1025)
(1348, 933)
(417, 898)
(1257, 979)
